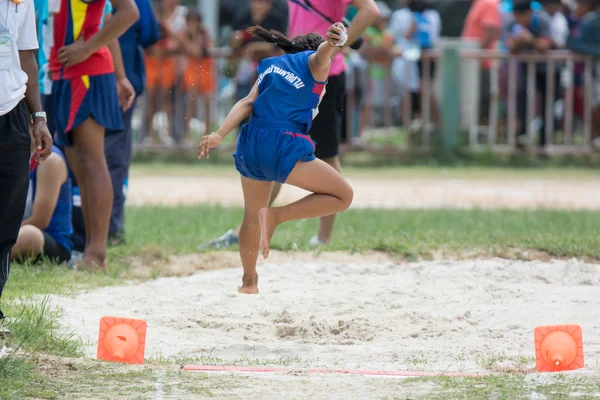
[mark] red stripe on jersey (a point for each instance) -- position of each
(318, 88)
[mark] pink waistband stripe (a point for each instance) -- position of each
(303, 136)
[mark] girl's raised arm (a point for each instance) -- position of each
(320, 61)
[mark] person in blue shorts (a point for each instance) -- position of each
(46, 227)
(128, 60)
(274, 145)
(87, 93)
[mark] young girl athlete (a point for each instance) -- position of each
(274, 147)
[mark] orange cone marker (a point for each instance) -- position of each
(122, 340)
(558, 348)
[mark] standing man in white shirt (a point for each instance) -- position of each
(559, 26)
(20, 106)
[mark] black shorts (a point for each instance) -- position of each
(432, 69)
(327, 126)
(55, 251)
(485, 97)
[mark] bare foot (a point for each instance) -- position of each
(249, 285)
(90, 264)
(267, 228)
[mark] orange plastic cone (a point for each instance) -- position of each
(122, 340)
(558, 348)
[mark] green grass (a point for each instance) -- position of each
(410, 234)
(515, 387)
(35, 331)
(18, 380)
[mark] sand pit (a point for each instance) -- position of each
(370, 313)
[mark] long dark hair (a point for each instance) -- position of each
(312, 41)
(418, 5)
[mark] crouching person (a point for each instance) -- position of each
(46, 228)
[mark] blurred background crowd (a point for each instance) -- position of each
(202, 65)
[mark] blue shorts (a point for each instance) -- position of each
(77, 99)
(269, 150)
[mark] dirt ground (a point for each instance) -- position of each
(352, 312)
(385, 193)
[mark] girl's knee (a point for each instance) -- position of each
(348, 196)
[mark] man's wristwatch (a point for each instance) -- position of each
(39, 114)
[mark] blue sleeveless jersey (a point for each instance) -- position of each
(287, 90)
(60, 227)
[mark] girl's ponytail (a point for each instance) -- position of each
(299, 44)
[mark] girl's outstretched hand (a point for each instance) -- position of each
(207, 143)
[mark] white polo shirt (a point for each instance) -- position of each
(17, 26)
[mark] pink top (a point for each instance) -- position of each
(303, 20)
(482, 15)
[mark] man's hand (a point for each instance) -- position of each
(126, 94)
(74, 53)
(395, 52)
(43, 139)
(525, 36)
(543, 45)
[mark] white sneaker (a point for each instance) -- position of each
(596, 143)
(522, 140)
(75, 256)
(315, 242)
(3, 352)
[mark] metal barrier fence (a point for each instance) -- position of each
(552, 64)
(512, 78)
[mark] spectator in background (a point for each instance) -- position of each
(559, 32)
(165, 64)
(20, 112)
(559, 26)
(506, 11)
(46, 230)
(380, 50)
(161, 73)
(417, 28)
(586, 40)
(199, 77)
(528, 31)
(484, 25)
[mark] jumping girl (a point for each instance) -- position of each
(274, 146)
